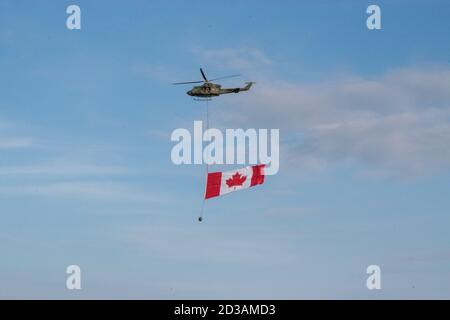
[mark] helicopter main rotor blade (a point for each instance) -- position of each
(226, 77)
(206, 79)
(203, 75)
(189, 82)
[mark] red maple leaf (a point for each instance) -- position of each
(236, 180)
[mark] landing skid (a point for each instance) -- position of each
(202, 99)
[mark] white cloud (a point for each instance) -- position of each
(16, 143)
(188, 244)
(9, 139)
(398, 122)
(88, 190)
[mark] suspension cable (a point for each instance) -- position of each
(200, 218)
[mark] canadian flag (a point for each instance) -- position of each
(220, 183)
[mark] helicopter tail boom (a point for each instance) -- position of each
(237, 90)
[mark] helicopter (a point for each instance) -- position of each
(208, 89)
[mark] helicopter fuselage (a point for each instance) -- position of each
(208, 90)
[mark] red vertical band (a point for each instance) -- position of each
(213, 183)
(258, 175)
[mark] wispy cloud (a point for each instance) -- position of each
(74, 173)
(65, 178)
(16, 143)
(11, 137)
(64, 169)
(88, 190)
(397, 123)
(188, 244)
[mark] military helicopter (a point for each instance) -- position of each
(208, 89)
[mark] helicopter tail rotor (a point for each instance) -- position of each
(248, 86)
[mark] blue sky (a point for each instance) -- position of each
(85, 170)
